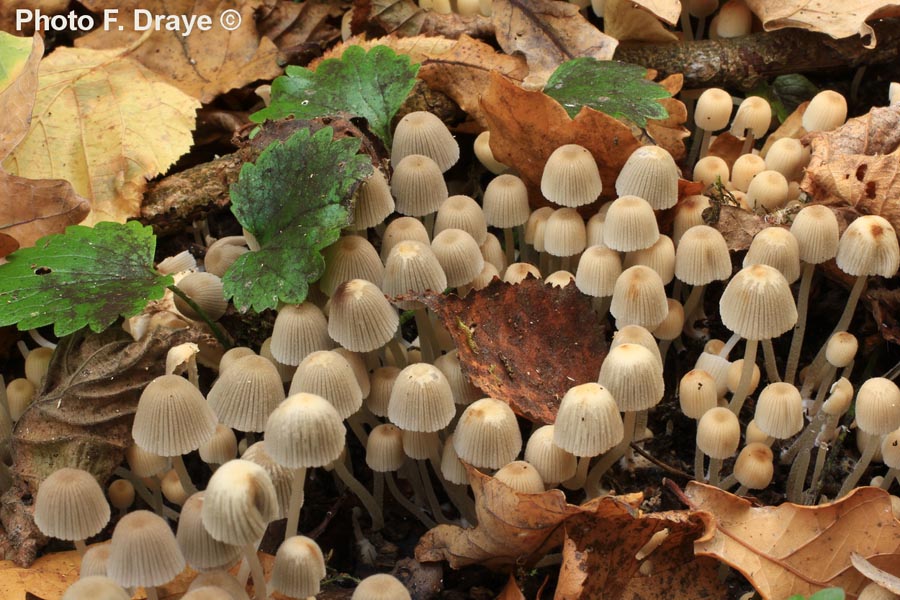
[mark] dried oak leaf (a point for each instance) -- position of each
(205, 63)
(402, 18)
(667, 10)
(82, 418)
(670, 132)
(548, 33)
(838, 20)
(858, 164)
(525, 344)
(780, 549)
(627, 21)
(293, 26)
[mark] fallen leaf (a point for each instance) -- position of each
(205, 63)
(858, 164)
(8, 10)
(836, 20)
(626, 21)
(873, 573)
(791, 127)
(548, 33)
(535, 353)
(511, 590)
(667, 10)
(727, 147)
(19, 62)
(104, 123)
(738, 227)
(33, 208)
(670, 132)
(291, 24)
(780, 549)
(82, 418)
(403, 18)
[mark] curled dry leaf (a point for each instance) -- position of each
(873, 573)
(839, 20)
(531, 356)
(858, 164)
(403, 18)
(667, 10)
(780, 549)
(626, 21)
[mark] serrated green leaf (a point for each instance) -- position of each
(295, 200)
(833, 593)
(85, 276)
(370, 84)
(612, 87)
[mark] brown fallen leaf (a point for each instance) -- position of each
(780, 549)
(8, 10)
(511, 590)
(858, 164)
(791, 127)
(548, 33)
(670, 132)
(738, 227)
(873, 573)
(525, 344)
(291, 24)
(33, 208)
(627, 21)
(402, 18)
(667, 10)
(727, 147)
(839, 20)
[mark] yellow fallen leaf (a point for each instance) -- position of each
(19, 59)
(105, 123)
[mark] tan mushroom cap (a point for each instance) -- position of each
(459, 256)
(754, 468)
(521, 476)
(402, 229)
(374, 202)
(381, 382)
(757, 303)
(767, 190)
(412, 267)
(840, 350)
(421, 399)
(482, 148)
(633, 375)
(205, 289)
(779, 410)
(571, 177)
(20, 394)
(95, 587)
(660, 257)
(172, 417)
(552, 462)
(492, 252)
(697, 393)
(826, 111)
(462, 212)
(299, 330)
(630, 225)
(420, 445)
(817, 232)
(709, 169)
(745, 169)
(537, 218)
(878, 406)
(564, 233)
(869, 247)
(518, 272)
(650, 173)
(350, 257)
(702, 256)
(487, 435)
(718, 433)
(786, 156)
(239, 503)
(201, 550)
(718, 367)
(222, 580)
(673, 324)
(639, 298)
(143, 551)
(754, 115)
(559, 279)
(418, 186)
(384, 448)
(286, 372)
(588, 422)
(305, 431)
(505, 202)
(222, 253)
(231, 355)
(778, 248)
(421, 132)
(635, 334)
(94, 561)
(70, 505)
(733, 376)
(299, 567)
(244, 395)
(451, 467)
(145, 464)
(463, 391)
(380, 586)
(713, 109)
(361, 319)
(598, 269)
(220, 448)
(281, 476)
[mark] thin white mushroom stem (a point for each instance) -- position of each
(693, 301)
(844, 321)
(743, 388)
(425, 479)
(821, 456)
(403, 501)
(793, 361)
(859, 468)
(393, 346)
(427, 338)
(256, 572)
(153, 497)
(740, 491)
(296, 502)
(592, 484)
(715, 467)
(362, 493)
(699, 466)
(824, 387)
(577, 481)
(601, 305)
(797, 476)
(41, 340)
(729, 345)
(183, 477)
(889, 478)
(728, 482)
(456, 493)
(355, 421)
(771, 365)
(805, 440)
(748, 143)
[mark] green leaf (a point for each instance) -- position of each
(833, 593)
(86, 276)
(371, 85)
(785, 93)
(615, 88)
(295, 200)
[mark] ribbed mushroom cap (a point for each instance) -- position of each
(841, 349)
(697, 393)
(518, 272)
(826, 111)
(222, 253)
(374, 202)
(94, 561)
(401, 229)
(380, 586)
(598, 269)
(878, 406)
(537, 218)
(639, 298)
(219, 579)
(350, 257)
(201, 550)
(206, 290)
(286, 372)
(220, 448)
(754, 435)
(588, 421)
(418, 186)
(786, 156)
(559, 279)
(521, 476)
(660, 257)
(239, 503)
(358, 364)
(492, 252)
(778, 248)
(754, 468)
(817, 232)
(144, 463)
(231, 355)
(421, 399)
(421, 132)
(299, 567)
(299, 330)
(552, 462)
(718, 433)
(709, 169)
(735, 372)
(462, 212)
(382, 383)
(718, 367)
(459, 256)
(633, 376)
(172, 417)
(869, 247)
(70, 505)
(420, 445)
(281, 477)
(451, 467)
(143, 551)
(571, 177)
(412, 266)
(745, 169)
(702, 256)
(635, 334)
(650, 173)
(767, 190)
(305, 431)
(463, 391)
(487, 435)
(779, 410)
(594, 228)
(384, 448)
(754, 115)
(482, 148)
(360, 318)
(564, 233)
(713, 109)
(630, 225)
(481, 281)
(95, 587)
(244, 395)
(757, 303)
(673, 324)
(505, 202)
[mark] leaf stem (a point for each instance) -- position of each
(220, 334)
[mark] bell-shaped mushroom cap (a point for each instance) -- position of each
(754, 468)
(205, 289)
(633, 376)
(779, 410)
(778, 248)
(19, 395)
(537, 218)
(841, 349)
(286, 372)
(753, 116)
(239, 502)
(202, 551)
(421, 132)
(172, 417)
(672, 325)
(462, 212)
(518, 272)
(768, 190)
(245, 395)
(381, 382)
(817, 232)
(299, 567)
(718, 367)
(718, 433)
(143, 551)
(838, 402)
(281, 476)
(328, 374)
(421, 445)
(418, 186)
(300, 329)
(869, 247)
(222, 253)
(463, 391)
(552, 462)
(734, 20)
(702, 256)
(384, 448)
(421, 399)
(95, 587)
(219, 579)
(564, 233)
(786, 156)
(358, 364)
(594, 228)
(144, 463)
(220, 448)
(400, 230)
(350, 257)
(70, 505)
(451, 467)
(361, 319)
(94, 561)
(505, 202)
(713, 109)
(635, 334)
(521, 477)
(459, 256)
(826, 111)
(305, 431)
(757, 303)
(697, 393)
(735, 371)
(639, 298)
(492, 252)
(482, 148)
(487, 435)
(744, 169)
(878, 406)
(630, 225)
(709, 169)
(660, 257)
(598, 269)
(380, 586)
(374, 202)
(588, 422)
(571, 177)
(412, 266)
(650, 173)
(231, 355)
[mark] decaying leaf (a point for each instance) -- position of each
(205, 63)
(104, 123)
(670, 132)
(873, 573)
(33, 208)
(839, 20)
(626, 21)
(525, 344)
(8, 10)
(790, 127)
(292, 25)
(858, 164)
(780, 549)
(82, 418)
(511, 590)
(19, 60)
(548, 33)
(738, 226)
(667, 10)
(727, 147)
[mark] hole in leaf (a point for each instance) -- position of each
(861, 172)
(43, 271)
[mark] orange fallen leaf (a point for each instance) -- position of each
(727, 147)
(670, 132)
(511, 590)
(790, 549)
(839, 20)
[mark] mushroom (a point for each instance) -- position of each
(299, 329)
(374, 202)
(712, 113)
(201, 550)
(246, 393)
(423, 133)
(505, 205)
(351, 257)
(650, 173)
(718, 436)
(571, 177)
(94, 561)
(380, 586)
(143, 552)
(521, 476)
(95, 587)
(753, 468)
(462, 212)
(70, 505)
(877, 413)
(299, 567)
(482, 149)
(554, 464)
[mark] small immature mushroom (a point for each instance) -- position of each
(222, 253)
(37, 363)
(711, 113)
(452, 469)
(374, 202)
(753, 116)
(521, 477)
(385, 455)
(826, 111)
(635, 334)
(779, 411)
(95, 587)
(220, 448)
(70, 505)
(422, 132)
(462, 212)
(701, 258)
(571, 177)
(594, 226)
(734, 20)
(205, 289)
(768, 191)
(506, 206)
(518, 272)
(671, 326)
(537, 219)
(381, 382)
(650, 173)
(598, 269)
(553, 463)
(890, 454)
(630, 225)
(172, 490)
(244, 395)
(418, 186)
(736, 370)
(300, 329)
(744, 170)
(786, 156)
(121, 495)
(718, 436)
(380, 586)
(350, 257)
(299, 567)
(753, 468)
(487, 435)
(19, 395)
(464, 392)
(143, 552)
(697, 394)
(710, 169)
(482, 148)
(421, 399)
(328, 374)
(202, 551)
(94, 560)
(877, 413)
